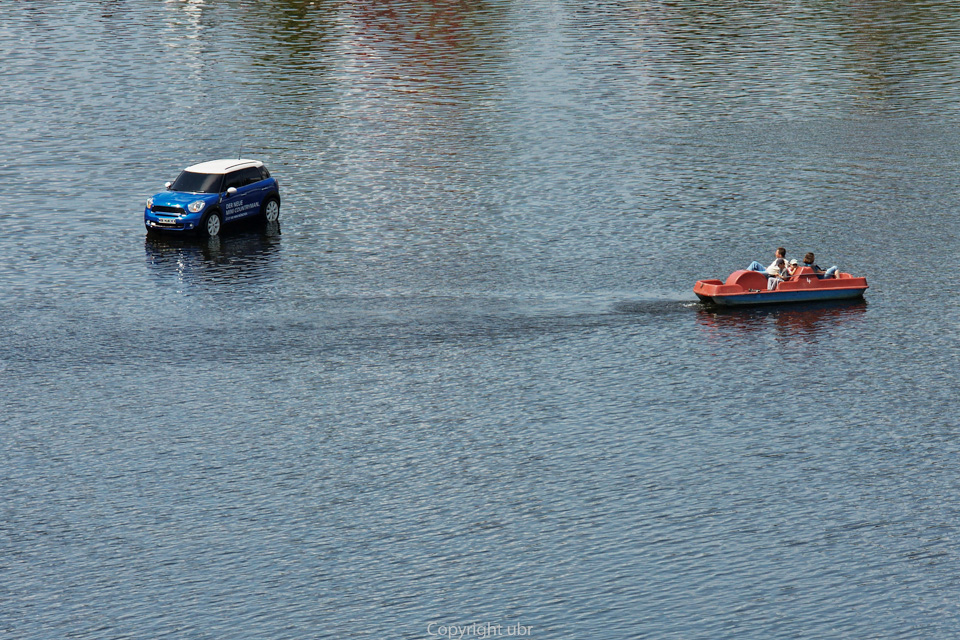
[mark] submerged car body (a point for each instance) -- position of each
(208, 195)
(750, 288)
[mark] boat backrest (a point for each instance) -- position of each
(748, 280)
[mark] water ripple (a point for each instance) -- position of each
(466, 379)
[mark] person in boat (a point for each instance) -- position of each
(789, 268)
(778, 264)
(808, 261)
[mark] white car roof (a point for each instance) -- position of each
(223, 166)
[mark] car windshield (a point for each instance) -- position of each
(197, 182)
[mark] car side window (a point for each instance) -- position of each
(250, 175)
(264, 173)
(234, 180)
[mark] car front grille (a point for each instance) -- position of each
(159, 208)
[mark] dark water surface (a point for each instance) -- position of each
(466, 380)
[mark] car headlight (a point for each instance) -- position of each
(196, 207)
(149, 203)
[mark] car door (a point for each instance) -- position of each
(233, 204)
(253, 190)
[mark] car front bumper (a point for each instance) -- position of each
(170, 222)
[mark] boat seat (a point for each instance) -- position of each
(801, 271)
(748, 280)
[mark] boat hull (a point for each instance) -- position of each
(784, 297)
(748, 288)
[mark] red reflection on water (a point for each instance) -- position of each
(433, 34)
(797, 321)
(412, 22)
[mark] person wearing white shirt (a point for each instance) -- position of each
(778, 264)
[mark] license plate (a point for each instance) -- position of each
(166, 221)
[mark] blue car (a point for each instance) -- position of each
(208, 195)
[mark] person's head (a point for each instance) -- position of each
(781, 252)
(808, 258)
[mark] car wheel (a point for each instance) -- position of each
(271, 210)
(211, 225)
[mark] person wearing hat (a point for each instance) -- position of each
(789, 269)
(775, 277)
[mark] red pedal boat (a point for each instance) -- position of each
(750, 288)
